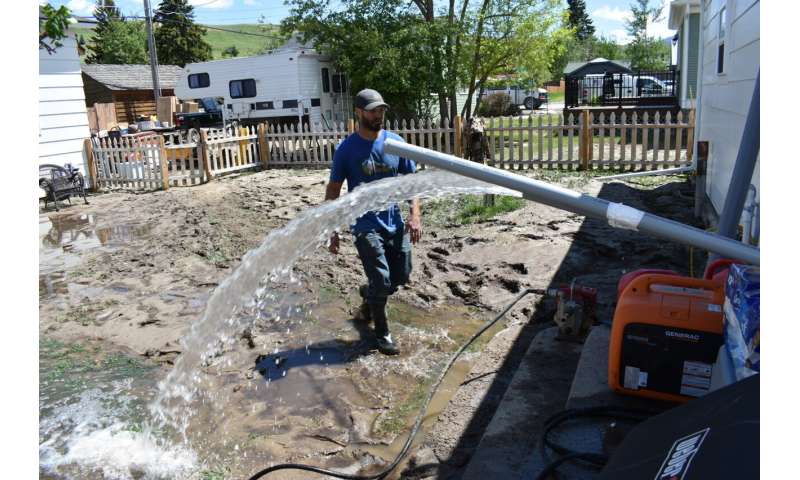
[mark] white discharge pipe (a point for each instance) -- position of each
(617, 214)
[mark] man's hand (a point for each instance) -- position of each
(414, 225)
(332, 193)
(333, 246)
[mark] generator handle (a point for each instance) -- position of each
(642, 285)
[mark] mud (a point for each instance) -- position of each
(130, 272)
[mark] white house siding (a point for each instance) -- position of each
(725, 98)
(63, 123)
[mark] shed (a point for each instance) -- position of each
(597, 66)
(129, 87)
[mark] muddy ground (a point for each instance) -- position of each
(130, 273)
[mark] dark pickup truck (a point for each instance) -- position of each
(211, 116)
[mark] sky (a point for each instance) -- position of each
(608, 15)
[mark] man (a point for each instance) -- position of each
(383, 239)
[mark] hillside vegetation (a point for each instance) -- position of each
(247, 45)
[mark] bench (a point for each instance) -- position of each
(60, 183)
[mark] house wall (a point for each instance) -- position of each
(63, 123)
(725, 98)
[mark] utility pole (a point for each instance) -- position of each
(152, 43)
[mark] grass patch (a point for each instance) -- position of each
(466, 209)
(653, 181)
(214, 474)
(73, 361)
(395, 419)
(474, 211)
(556, 97)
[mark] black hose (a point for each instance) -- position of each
(594, 460)
(420, 415)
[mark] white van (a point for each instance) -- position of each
(293, 83)
(520, 96)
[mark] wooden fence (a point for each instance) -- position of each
(627, 141)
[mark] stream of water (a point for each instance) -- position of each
(88, 433)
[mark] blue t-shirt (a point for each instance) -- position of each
(362, 161)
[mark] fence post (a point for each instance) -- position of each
(90, 163)
(459, 145)
(162, 153)
(690, 137)
(242, 145)
(262, 145)
(585, 140)
(202, 149)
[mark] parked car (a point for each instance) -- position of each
(593, 86)
(521, 97)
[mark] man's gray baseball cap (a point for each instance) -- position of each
(369, 99)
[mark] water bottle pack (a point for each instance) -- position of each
(742, 310)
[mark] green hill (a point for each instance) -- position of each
(247, 45)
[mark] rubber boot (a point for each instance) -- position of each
(363, 314)
(385, 343)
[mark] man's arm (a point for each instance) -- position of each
(332, 191)
(414, 226)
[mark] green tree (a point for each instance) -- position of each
(409, 51)
(523, 38)
(179, 40)
(123, 42)
(378, 45)
(579, 20)
(105, 12)
(53, 25)
(645, 52)
(231, 51)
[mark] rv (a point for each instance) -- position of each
(288, 85)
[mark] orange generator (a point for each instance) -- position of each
(665, 337)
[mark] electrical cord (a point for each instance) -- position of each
(594, 460)
(420, 415)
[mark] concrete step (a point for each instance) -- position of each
(508, 446)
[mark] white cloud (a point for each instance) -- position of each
(659, 29)
(81, 7)
(251, 3)
(619, 35)
(615, 14)
(212, 4)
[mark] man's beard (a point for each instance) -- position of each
(375, 125)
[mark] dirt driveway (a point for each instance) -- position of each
(131, 272)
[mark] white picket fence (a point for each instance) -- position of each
(627, 141)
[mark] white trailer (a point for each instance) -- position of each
(291, 84)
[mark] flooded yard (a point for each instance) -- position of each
(123, 280)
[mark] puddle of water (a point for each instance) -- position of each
(80, 232)
(92, 417)
(62, 239)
